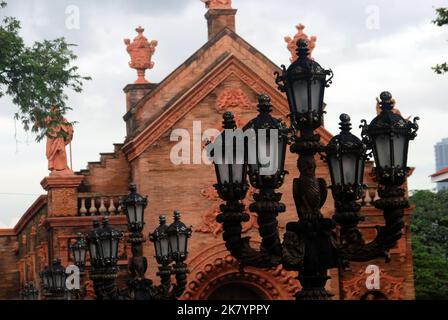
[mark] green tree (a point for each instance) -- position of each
(36, 77)
(441, 20)
(429, 226)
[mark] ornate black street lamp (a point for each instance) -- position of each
(134, 207)
(103, 248)
(178, 235)
(270, 137)
(389, 135)
(79, 251)
(346, 156)
(53, 279)
(29, 292)
(170, 245)
(304, 83)
(311, 245)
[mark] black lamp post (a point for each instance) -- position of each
(170, 243)
(311, 245)
(178, 235)
(230, 168)
(232, 187)
(304, 83)
(346, 156)
(162, 249)
(103, 248)
(53, 279)
(103, 245)
(134, 207)
(389, 135)
(79, 251)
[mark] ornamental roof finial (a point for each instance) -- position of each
(218, 4)
(141, 52)
(292, 42)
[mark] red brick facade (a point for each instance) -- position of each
(227, 73)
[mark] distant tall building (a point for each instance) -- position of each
(441, 149)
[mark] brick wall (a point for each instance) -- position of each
(9, 272)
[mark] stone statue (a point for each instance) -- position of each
(218, 4)
(292, 42)
(58, 136)
(141, 52)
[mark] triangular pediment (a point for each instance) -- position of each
(229, 65)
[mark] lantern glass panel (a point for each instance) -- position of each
(382, 145)
(281, 154)
(237, 173)
(290, 96)
(264, 151)
(45, 279)
(106, 248)
(93, 251)
(57, 280)
(174, 242)
(184, 244)
(164, 246)
(335, 170)
(399, 150)
(316, 93)
(158, 248)
(223, 170)
(131, 213)
(349, 167)
(360, 178)
(82, 257)
(77, 254)
(139, 213)
(300, 90)
(115, 243)
(182, 240)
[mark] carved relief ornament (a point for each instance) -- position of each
(141, 51)
(209, 223)
(292, 42)
(355, 287)
(233, 98)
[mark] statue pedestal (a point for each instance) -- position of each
(62, 195)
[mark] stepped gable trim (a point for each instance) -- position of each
(195, 56)
(40, 202)
(230, 66)
(115, 154)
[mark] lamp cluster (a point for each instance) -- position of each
(102, 243)
(309, 245)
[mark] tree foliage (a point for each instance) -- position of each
(429, 226)
(36, 77)
(441, 20)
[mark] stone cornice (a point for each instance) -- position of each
(58, 222)
(66, 181)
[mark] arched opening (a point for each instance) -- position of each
(236, 291)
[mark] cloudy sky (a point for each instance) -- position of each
(371, 46)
